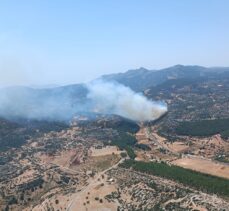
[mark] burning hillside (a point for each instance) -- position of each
(61, 104)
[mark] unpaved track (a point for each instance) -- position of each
(93, 183)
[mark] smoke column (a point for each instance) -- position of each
(62, 103)
(114, 98)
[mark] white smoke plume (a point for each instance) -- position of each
(63, 103)
(114, 98)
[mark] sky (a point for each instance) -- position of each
(58, 42)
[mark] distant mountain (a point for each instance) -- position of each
(141, 79)
(66, 100)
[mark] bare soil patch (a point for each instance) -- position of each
(108, 150)
(204, 165)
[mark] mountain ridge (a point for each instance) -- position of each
(134, 78)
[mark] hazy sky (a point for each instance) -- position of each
(63, 41)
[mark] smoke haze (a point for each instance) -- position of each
(62, 103)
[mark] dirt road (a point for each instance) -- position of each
(98, 187)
